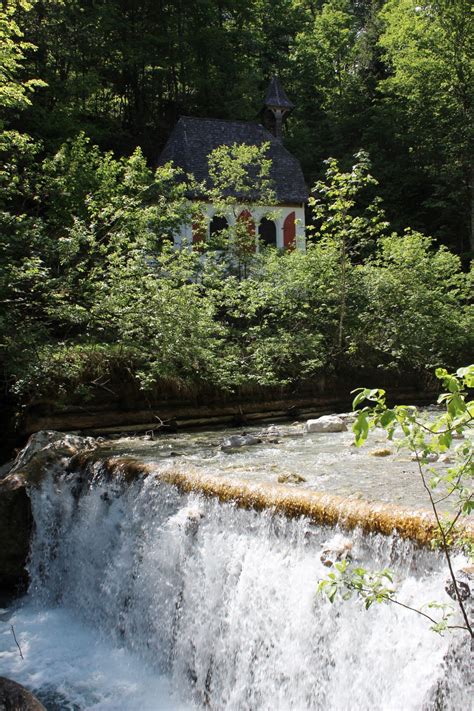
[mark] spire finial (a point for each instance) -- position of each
(277, 104)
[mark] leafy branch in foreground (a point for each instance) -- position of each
(426, 437)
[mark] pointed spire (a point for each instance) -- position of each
(276, 97)
(277, 105)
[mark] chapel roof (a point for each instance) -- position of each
(193, 139)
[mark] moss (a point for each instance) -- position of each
(325, 509)
(322, 508)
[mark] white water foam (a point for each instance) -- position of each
(152, 593)
(71, 667)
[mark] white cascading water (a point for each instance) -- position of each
(193, 604)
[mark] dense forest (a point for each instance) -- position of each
(393, 77)
(89, 92)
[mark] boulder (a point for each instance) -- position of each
(327, 423)
(16, 523)
(239, 441)
(14, 697)
(463, 588)
(44, 450)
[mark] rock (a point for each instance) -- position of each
(337, 549)
(16, 523)
(44, 450)
(187, 519)
(468, 572)
(270, 435)
(14, 697)
(270, 431)
(238, 441)
(430, 457)
(465, 581)
(464, 589)
(6, 468)
(445, 458)
(348, 417)
(380, 452)
(37, 441)
(41, 450)
(327, 423)
(291, 479)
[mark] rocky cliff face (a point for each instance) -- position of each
(43, 450)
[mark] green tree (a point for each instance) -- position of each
(429, 50)
(15, 91)
(417, 313)
(343, 226)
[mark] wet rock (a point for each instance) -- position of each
(468, 572)
(270, 431)
(464, 589)
(239, 441)
(187, 519)
(380, 452)
(348, 417)
(291, 479)
(337, 549)
(16, 523)
(43, 451)
(465, 583)
(446, 458)
(430, 457)
(270, 435)
(14, 697)
(327, 423)
(6, 468)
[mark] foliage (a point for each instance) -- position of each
(393, 76)
(14, 92)
(88, 274)
(342, 228)
(430, 49)
(418, 312)
(239, 181)
(426, 437)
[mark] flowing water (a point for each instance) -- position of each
(144, 598)
(327, 461)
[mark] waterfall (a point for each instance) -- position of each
(222, 601)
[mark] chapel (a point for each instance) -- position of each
(193, 139)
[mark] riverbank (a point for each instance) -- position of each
(121, 407)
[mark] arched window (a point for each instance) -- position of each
(267, 232)
(218, 223)
(246, 218)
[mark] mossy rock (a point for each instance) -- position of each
(381, 452)
(291, 479)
